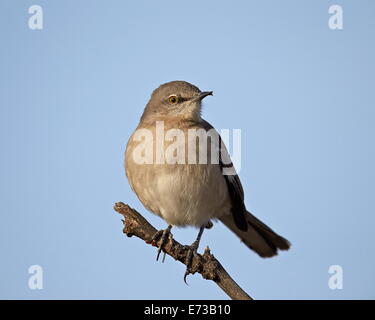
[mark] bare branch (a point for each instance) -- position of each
(207, 265)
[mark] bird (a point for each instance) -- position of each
(184, 192)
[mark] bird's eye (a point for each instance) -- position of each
(173, 99)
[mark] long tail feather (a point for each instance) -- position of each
(258, 237)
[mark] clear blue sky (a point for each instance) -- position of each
(72, 93)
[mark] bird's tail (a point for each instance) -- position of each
(258, 237)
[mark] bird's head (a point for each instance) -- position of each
(175, 99)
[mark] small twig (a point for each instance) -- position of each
(207, 265)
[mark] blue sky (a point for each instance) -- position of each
(72, 93)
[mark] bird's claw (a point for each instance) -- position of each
(162, 236)
(192, 251)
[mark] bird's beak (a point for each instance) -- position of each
(204, 94)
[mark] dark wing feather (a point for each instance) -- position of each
(234, 186)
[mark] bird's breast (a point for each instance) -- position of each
(182, 193)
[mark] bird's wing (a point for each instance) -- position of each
(235, 189)
(253, 232)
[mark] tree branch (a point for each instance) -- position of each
(207, 265)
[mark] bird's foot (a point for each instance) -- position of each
(162, 236)
(192, 251)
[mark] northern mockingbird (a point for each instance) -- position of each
(185, 192)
